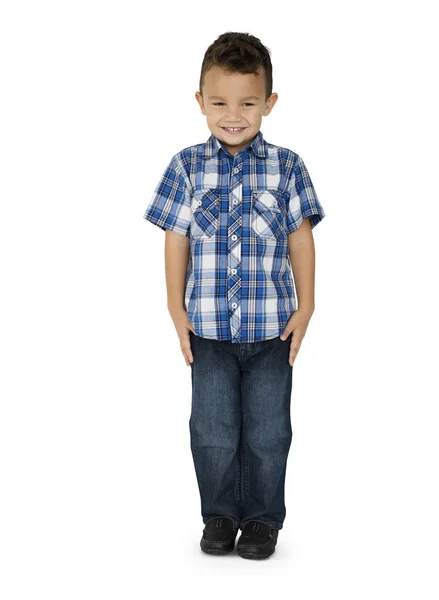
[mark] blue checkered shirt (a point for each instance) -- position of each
(237, 211)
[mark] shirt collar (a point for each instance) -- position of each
(213, 145)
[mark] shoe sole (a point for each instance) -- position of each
(254, 555)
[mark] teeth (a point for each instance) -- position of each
(233, 128)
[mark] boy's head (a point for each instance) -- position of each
(235, 88)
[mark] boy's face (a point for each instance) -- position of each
(234, 100)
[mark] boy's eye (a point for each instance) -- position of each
(218, 103)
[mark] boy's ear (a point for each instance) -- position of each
(200, 101)
(269, 103)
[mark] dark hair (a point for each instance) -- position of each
(239, 53)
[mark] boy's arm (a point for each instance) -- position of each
(176, 262)
(304, 213)
(302, 257)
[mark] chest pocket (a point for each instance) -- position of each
(205, 213)
(267, 216)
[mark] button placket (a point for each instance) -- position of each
(234, 252)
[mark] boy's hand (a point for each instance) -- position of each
(297, 324)
(183, 325)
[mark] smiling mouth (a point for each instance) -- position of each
(234, 129)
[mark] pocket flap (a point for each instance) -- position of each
(267, 199)
(205, 198)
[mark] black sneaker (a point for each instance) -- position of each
(258, 540)
(219, 536)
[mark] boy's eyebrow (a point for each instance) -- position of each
(221, 98)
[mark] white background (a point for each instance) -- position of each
(99, 496)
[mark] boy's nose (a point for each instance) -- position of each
(233, 114)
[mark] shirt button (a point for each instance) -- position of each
(233, 271)
(234, 305)
(199, 202)
(235, 171)
(235, 201)
(234, 237)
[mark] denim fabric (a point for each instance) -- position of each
(240, 427)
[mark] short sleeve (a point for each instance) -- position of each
(170, 207)
(303, 201)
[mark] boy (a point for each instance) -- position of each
(238, 213)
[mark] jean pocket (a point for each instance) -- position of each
(205, 213)
(267, 217)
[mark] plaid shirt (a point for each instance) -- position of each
(237, 211)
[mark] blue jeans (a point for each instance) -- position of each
(240, 427)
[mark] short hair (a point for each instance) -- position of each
(239, 53)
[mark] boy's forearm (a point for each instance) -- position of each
(302, 258)
(176, 261)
